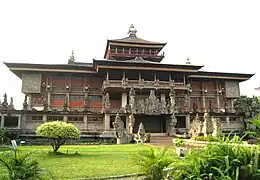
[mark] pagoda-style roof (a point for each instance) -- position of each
(140, 64)
(221, 75)
(132, 41)
(18, 68)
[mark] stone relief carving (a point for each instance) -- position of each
(217, 130)
(31, 83)
(207, 125)
(106, 101)
(232, 89)
(132, 100)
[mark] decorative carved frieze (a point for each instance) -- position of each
(151, 105)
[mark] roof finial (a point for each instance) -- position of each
(132, 31)
(188, 60)
(71, 58)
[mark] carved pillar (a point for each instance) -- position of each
(106, 101)
(68, 100)
(44, 118)
(172, 100)
(203, 97)
(232, 105)
(172, 124)
(187, 119)
(132, 99)
(187, 102)
(49, 100)
(86, 98)
(124, 99)
(107, 122)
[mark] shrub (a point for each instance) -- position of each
(153, 161)
(21, 166)
(58, 132)
(179, 142)
(219, 161)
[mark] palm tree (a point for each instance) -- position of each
(20, 166)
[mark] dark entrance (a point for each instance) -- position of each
(152, 124)
(181, 122)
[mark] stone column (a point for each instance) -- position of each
(30, 102)
(68, 98)
(172, 100)
(85, 119)
(187, 119)
(127, 123)
(232, 105)
(65, 118)
(163, 97)
(227, 119)
(44, 118)
(124, 99)
(49, 100)
(19, 122)
(107, 122)
(2, 121)
(218, 103)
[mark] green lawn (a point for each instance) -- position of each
(92, 161)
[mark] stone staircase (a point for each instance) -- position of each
(161, 141)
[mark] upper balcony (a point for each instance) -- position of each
(121, 54)
(141, 84)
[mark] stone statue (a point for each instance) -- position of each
(196, 127)
(5, 103)
(140, 134)
(121, 136)
(172, 124)
(207, 125)
(131, 123)
(11, 104)
(25, 104)
(217, 130)
(164, 109)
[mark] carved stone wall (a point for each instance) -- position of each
(31, 83)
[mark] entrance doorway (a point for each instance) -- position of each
(152, 124)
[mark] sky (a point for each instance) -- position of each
(222, 35)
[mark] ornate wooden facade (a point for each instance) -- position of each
(130, 81)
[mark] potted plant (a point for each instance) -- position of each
(180, 149)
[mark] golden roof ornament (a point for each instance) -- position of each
(132, 31)
(188, 60)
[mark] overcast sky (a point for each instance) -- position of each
(222, 35)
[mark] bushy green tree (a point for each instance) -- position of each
(248, 106)
(58, 132)
(21, 166)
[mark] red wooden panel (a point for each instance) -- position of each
(195, 85)
(211, 86)
(58, 80)
(115, 104)
(94, 104)
(55, 102)
(77, 81)
(77, 103)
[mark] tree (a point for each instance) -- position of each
(58, 132)
(248, 106)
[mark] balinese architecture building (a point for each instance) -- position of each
(130, 81)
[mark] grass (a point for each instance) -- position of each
(91, 161)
